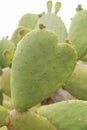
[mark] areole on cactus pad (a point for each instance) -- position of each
(40, 66)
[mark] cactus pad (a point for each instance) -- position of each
(78, 33)
(66, 115)
(40, 66)
(77, 83)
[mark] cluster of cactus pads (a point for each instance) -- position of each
(40, 58)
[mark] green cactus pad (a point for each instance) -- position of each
(5, 82)
(28, 121)
(3, 116)
(78, 33)
(40, 67)
(28, 20)
(7, 49)
(18, 34)
(66, 115)
(55, 24)
(77, 83)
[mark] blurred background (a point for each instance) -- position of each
(12, 10)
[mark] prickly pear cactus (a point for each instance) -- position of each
(40, 66)
(66, 115)
(54, 23)
(7, 49)
(78, 31)
(28, 20)
(77, 83)
(18, 34)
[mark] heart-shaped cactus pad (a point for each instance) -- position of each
(40, 66)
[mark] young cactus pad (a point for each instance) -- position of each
(40, 66)
(77, 83)
(78, 33)
(66, 115)
(55, 24)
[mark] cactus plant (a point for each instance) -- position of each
(40, 61)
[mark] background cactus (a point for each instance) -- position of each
(54, 23)
(78, 31)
